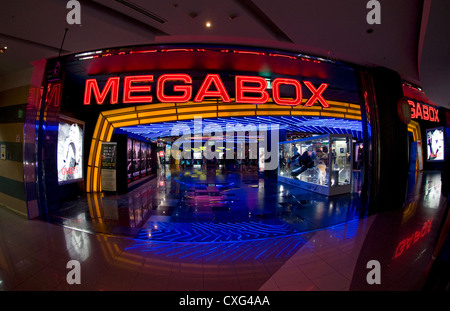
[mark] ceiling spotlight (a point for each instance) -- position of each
(208, 24)
(232, 17)
(3, 49)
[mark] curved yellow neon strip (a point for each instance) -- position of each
(414, 128)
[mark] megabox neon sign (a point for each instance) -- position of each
(258, 89)
(424, 112)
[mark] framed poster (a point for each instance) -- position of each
(149, 158)
(435, 144)
(70, 150)
(129, 160)
(109, 165)
(143, 164)
(136, 159)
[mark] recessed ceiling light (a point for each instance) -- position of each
(3, 49)
(208, 24)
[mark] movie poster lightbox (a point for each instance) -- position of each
(435, 144)
(70, 150)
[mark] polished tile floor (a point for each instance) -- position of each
(287, 246)
(209, 205)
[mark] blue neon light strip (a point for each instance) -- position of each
(241, 250)
(212, 232)
(317, 125)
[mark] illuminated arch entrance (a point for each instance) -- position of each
(164, 112)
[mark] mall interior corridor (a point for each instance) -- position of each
(236, 233)
(188, 153)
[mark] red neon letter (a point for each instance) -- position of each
(284, 101)
(431, 112)
(186, 89)
(425, 112)
(91, 84)
(413, 109)
(436, 115)
(261, 89)
(400, 248)
(416, 236)
(409, 241)
(128, 89)
(418, 111)
(53, 94)
(204, 89)
(316, 94)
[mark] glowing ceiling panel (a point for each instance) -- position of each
(306, 124)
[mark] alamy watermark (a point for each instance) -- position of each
(74, 275)
(374, 15)
(74, 15)
(262, 141)
(374, 275)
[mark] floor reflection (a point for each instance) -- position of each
(409, 235)
(262, 246)
(209, 204)
(250, 250)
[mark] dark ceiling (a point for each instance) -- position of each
(412, 39)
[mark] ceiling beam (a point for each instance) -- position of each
(143, 11)
(264, 20)
(123, 17)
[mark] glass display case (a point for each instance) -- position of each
(321, 164)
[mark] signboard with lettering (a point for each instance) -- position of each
(423, 111)
(109, 165)
(247, 89)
